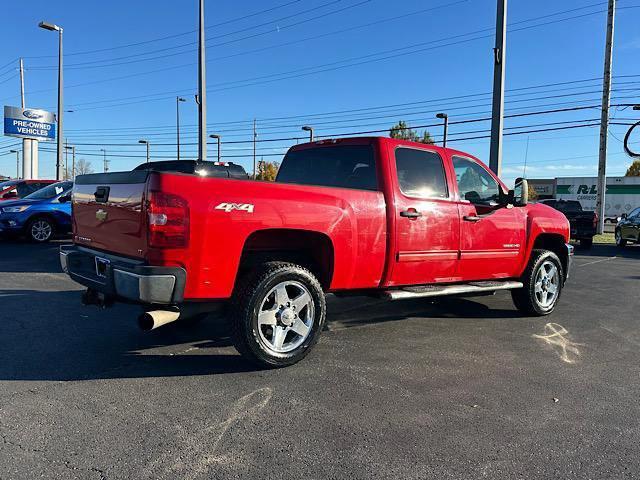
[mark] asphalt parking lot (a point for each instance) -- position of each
(458, 388)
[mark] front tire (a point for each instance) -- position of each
(40, 230)
(620, 242)
(277, 314)
(543, 281)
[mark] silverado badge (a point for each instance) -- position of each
(101, 215)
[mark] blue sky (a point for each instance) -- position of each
(340, 65)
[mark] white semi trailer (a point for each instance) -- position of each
(622, 195)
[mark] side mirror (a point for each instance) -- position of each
(624, 216)
(521, 192)
(65, 198)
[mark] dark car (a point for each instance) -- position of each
(13, 189)
(628, 228)
(584, 223)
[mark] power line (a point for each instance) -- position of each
(390, 115)
(226, 22)
(78, 65)
(362, 110)
(321, 68)
(270, 22)
(368, 132)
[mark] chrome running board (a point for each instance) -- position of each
(470, 288)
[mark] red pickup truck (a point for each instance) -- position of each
(366, 216)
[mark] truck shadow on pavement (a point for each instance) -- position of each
(49, 336)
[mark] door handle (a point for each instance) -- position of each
(471, 218)
(410, 213)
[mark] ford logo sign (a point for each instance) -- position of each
(32, 114)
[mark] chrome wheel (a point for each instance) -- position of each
(547, 284)
(285, 317)
(41, 230)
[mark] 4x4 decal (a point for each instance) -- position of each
(229, 207)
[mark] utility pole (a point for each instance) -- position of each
(255, 138)
(202, 91)
(105, 163)
(604, 118)
(497, 115)
(66, 160)
(526, 156)
(178, 100)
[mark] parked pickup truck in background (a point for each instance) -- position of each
(583, 223)
(365, 216)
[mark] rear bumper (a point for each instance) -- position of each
(122, 278)
(570, 249)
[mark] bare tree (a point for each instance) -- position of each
(83, 167)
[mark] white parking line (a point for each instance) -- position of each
(595, 261)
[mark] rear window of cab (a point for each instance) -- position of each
(341, 166)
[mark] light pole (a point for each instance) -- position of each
(309, 129)
(444, 117)
(178, 100)
(53, 27)
(145, 142)
(17, 162)
(73, 160)
(105, 164)
(219, 139)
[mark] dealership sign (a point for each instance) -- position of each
(29, 123)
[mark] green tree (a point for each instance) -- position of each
(267, 171)
(634, 169)
(403, 132)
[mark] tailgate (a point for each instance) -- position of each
(582, 221)
(109, 212)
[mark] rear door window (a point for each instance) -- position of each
(343, 166)
(421, 173)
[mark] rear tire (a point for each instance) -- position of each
(620, 242)
(40, 230)
(277, 314)
(543, 280)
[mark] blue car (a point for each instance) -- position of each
(40, 215)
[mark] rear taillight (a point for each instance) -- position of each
(595, 220)
(168, 220)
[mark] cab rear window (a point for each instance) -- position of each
(343, 166)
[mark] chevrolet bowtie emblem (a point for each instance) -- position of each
(101, 215)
